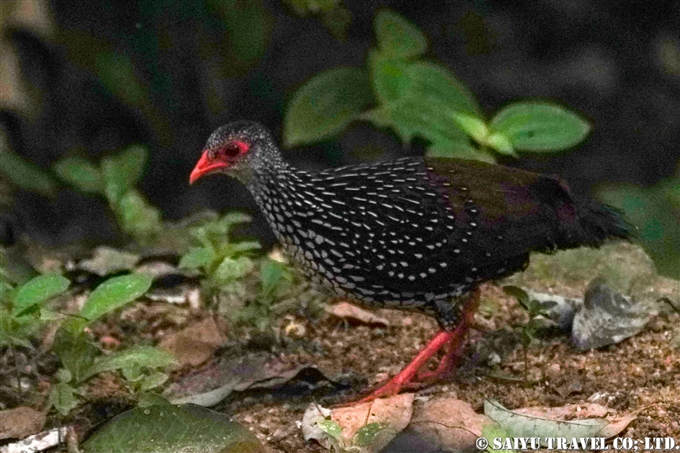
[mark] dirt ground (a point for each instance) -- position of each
(638, 376)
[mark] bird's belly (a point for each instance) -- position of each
(328, 281)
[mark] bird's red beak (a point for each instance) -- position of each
(204, 166)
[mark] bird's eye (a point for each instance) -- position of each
(231, 150)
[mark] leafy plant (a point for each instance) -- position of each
(223, 261)
(23, 310)
(655, 212)
(115, 179)
(538, 319)
(82, 360)
(418, 98)
(275, 283)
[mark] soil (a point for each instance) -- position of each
(640, 375)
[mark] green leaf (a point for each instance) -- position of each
(493, 431)
(397, 37)
(137, 356)
(520, 425)
(168, 429)
(115, 293)
(330, 427)
(81, 174)
(75, 351)
(63, 398)
(137, 217)
(240, 247)
(117, 73)
(123, 170)
(271, 274)
(325, 105)
(38, 290)
(153, 381)
(373, 436)
(500, 143)
(472, 125)
(231, 269)
(654, 211)
(518, 293)
(23, 173)
(197, 257)
(539, 126)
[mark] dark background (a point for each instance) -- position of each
(98, 75)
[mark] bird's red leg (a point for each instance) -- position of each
(452, 340)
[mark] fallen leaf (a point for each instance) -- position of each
(196, 343)
(519, 424)
(20, 422)
(364, 427)
(345, 310)
(448, 423)
(567, 412)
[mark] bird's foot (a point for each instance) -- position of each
(410, 378)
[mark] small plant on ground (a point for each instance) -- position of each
(140, 366)
(538, 319)
(115, 179)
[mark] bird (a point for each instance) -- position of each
(415, 233)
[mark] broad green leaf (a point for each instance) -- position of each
(153, 381)
(23, 173)
(500, 143)
(117, 73)
(115, 293)
(271, 274)
(81, 174)
(169, 429)
(494, 433)
(473, 126)
(460, 150)
(539, 126)
(137, 217)
(654, 211)
(123, 170)
(389, 78)
(248, 24)
(373, 436)
(142, 356)
(75, 350)
(520, 425)
(231, 269)
(242, 246)
(197, 257)
(63, 398)
(38, 290)
(330, 427)
(435, 83)
(325, 105)
(397, 37)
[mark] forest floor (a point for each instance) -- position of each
(331, 360)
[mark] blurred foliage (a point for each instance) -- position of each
(655, 212)
(332, 13)
(115, 180)
(418, 98)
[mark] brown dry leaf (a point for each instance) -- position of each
(395, 412)
(346, 310)
(448, 423)
(196, 343)
(363, 428)
(616, 426)
(567, 412)
(20, 422)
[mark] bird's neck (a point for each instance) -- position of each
(275, 185)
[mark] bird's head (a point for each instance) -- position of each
(239, 150)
